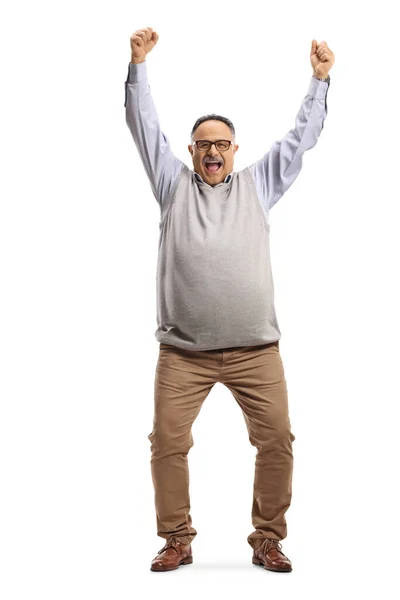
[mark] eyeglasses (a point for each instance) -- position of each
(204, 145)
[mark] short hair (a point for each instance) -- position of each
(212, 117)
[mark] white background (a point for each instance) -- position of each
(79, 240)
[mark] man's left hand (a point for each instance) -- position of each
(322, 59)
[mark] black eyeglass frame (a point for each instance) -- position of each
(210, 144)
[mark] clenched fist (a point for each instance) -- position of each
(142, 42)
(322, 59)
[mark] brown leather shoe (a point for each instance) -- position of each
(172, 555)
(269, 554)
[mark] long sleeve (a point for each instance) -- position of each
(154, 148)
(275, 172)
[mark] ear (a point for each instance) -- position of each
(236, 147)
(190, 148)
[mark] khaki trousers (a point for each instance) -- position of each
(183, 380)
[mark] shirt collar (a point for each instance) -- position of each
(226, 180)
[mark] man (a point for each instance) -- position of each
(216, 319)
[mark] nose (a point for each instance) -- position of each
(213, 150)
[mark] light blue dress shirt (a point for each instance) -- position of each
(273, 173)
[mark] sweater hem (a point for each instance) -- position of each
(224, 347)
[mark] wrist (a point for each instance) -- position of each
(321, 76)
(137, 61)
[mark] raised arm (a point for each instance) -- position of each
(275, 172)
(160, 164)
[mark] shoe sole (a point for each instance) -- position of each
(256, 561)
(185, 561)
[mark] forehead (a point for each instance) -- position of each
(213, 130)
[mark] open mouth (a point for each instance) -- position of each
(213, 166)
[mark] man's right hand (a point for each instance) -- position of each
(142, 42)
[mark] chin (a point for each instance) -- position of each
(215, 179)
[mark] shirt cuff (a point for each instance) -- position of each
(137, 72)
(318, 88)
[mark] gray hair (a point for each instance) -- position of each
(212, 117)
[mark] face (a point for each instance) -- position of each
(213, 131)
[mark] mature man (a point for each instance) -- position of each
(216, 319)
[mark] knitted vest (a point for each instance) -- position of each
(214, 283)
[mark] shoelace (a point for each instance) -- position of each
(170, 543)
(269, 543)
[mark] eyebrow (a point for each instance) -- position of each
(217, 140)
